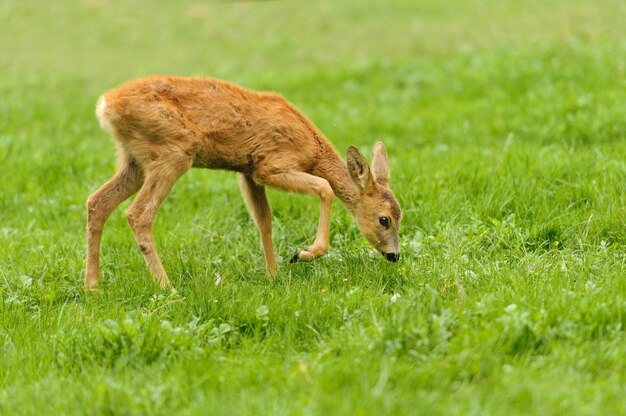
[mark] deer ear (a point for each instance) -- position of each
(358, 168)
(380, 164)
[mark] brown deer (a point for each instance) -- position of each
(165, 125)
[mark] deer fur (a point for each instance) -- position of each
(164, 126)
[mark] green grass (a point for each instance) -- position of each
(506, 130)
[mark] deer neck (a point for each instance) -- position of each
(332, 168)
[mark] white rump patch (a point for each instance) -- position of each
(101, 107)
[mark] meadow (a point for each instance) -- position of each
(505, 125)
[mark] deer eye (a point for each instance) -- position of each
(384, 221)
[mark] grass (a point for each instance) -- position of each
(504, 123)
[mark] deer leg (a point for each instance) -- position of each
(160, 179)
(100, 205)
(260, 211)
(305, 183)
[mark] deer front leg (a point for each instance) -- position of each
(259, 209)
(305, 183)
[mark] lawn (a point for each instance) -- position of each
(505, 125)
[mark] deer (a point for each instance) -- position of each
(164, 125)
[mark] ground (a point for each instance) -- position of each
(505, 128)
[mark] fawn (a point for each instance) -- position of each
(163, 126)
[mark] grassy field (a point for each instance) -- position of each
(505, 124)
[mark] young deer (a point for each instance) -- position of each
(165, 125)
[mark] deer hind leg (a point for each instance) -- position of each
(305, 183)
(100, 205)
(260, 211)
(159, 179)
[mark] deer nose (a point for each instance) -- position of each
(392, 257)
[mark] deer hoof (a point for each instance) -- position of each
(303, 255)
(295, 257)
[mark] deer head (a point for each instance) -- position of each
(378, 213)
